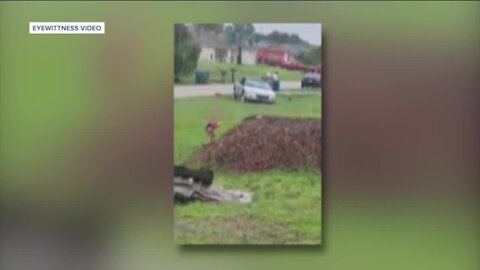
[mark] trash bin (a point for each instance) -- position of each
(202, 77)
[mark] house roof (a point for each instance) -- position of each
(271, 45)
(218, 41)
(292, 48)
(211, 40)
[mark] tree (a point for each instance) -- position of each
(240, 34)
(311, 57)
(216, 28)
(186, 51)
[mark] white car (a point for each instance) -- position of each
(253, 90)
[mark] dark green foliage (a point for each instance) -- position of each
(186, 52)
(311, 57)
(212, 27)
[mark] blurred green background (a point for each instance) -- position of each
(86, 123)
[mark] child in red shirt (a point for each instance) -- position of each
(210, 129)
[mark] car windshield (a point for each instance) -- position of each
(312, 76)
(258, 84)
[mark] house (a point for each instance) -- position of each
(249, 55)
(283, 55)
(215, 47)
(274, 56)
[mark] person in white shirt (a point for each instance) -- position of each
(275, 76)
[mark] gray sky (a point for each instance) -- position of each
(311, 32)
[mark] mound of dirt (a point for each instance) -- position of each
(264, 143)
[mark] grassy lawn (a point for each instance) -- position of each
(241, 71)
(287, 205)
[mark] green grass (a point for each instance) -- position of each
(287, 205)
(192, 114)
(241, 71)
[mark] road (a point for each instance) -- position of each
(186, 91)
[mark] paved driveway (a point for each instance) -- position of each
(184, 91)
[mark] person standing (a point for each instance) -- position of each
(276, 82)
(268, 78)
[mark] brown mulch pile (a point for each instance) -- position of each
(264, 143)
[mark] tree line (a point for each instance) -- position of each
(311, 57)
